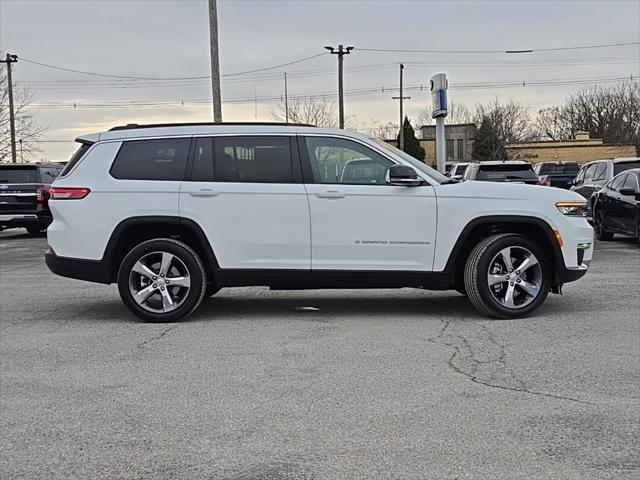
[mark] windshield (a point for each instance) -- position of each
(414, 162)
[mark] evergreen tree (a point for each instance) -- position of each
(411, 143)
(487, 144)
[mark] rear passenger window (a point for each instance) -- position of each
(252, 159)
(158, 159)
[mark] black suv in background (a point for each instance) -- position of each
(515, 171)
(24, 195)
(593, 176)
(556, 174)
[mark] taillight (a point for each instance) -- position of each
(64, 193)
(42, 194)
(544, 180)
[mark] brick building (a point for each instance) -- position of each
(582, 149)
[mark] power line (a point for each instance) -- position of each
(199, 77)
(554, 49)
(350, 93)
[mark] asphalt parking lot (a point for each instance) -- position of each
(373, 384)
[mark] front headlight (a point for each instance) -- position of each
(574, 209)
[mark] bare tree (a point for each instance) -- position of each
(384, 131)
(319, 111)
(457, 113)
(27, 128)
(511, 119)
(552, 124)
(608, 112)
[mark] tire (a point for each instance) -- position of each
(211, 290)
(148, 269)
(486, 263)
(598, 225)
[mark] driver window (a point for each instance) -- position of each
(339, 161)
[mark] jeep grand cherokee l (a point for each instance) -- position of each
(173, 213)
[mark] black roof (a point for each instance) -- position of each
(131, 126)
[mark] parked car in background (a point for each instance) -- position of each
(24, 195)
(616, 206)
(457, 171)
(556, 174)
(594, 175)
(514, 171)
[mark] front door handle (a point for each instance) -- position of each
(205, 192)
(330, 194)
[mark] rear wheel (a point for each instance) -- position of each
(598, 225)
(507, 276)
(162, 280)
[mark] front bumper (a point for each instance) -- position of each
(78, 268)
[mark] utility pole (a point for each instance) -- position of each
(12, 121)
(341, 52)
(286, 100)
(215, 61)
(401, 98)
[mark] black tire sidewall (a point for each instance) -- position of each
(599, 227)
(494, 307)
(187, 256)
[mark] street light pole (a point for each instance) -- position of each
(341, 52)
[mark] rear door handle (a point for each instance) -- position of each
(205, 192)
(331, 194)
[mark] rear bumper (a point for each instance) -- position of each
(24, 220)
(78, 268)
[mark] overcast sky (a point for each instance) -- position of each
(161, 39)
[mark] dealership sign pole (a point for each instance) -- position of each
(439, 84)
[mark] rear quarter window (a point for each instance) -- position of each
(75, 158)
(154, 159)
(505, 172)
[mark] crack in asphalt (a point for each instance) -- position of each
(142, 345)
(473, 373)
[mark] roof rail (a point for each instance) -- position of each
(131, 126)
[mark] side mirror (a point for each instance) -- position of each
(627, 192)
(403, 176)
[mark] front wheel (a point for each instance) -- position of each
(598, 225)
(507, 276)
(162, 280)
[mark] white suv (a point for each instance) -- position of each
(173, 213)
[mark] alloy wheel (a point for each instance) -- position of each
(515, 277)
(159, 282)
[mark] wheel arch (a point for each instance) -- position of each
(485, 226)
(135, 230)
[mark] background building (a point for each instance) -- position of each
(582, 149)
